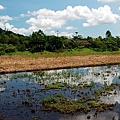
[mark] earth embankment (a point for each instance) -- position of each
(19, 63)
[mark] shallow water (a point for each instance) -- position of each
(31, 87)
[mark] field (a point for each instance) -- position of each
(84, 93)
(45, 60)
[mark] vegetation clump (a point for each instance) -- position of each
(49, 100)
(62, 104)
(54, 86)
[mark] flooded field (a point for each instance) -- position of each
(88, 93)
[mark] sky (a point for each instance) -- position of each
(63, 17)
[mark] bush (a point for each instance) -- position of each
(10, 48)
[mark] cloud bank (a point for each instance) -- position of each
(46, 19)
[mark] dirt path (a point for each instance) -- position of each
(17, 63)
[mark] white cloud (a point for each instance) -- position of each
(109, 0)
(5, 18)
(69, 35)
(59, 33)
(8, 26)
(16, 30)
(20, 30)
(70, 28)
(46, 23)
(1, 7)
(102, 15)
(22, 15)
(2, 25)
(46, 19)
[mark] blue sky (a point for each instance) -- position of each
(87, 17)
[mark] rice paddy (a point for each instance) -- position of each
(87, 92)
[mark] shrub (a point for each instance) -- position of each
(10, 48)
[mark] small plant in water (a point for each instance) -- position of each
(49, 100)
(54, 86)
(26, 101)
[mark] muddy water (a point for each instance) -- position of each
(21, 94)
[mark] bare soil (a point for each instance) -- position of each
(19, 63)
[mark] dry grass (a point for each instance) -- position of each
(31, 62)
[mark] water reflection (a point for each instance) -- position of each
(102, 75)
(21, 93)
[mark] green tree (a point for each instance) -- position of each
(108, 34)
(37, 41)
(2, 49)
(54, 43)
(14, 39)
(4, 39)
(111, 44)
(118, 41)
(98, 44)
(10, 48)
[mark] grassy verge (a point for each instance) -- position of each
(71, 52)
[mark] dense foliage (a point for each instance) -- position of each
(38, 42)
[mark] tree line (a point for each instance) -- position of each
(38, 42)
